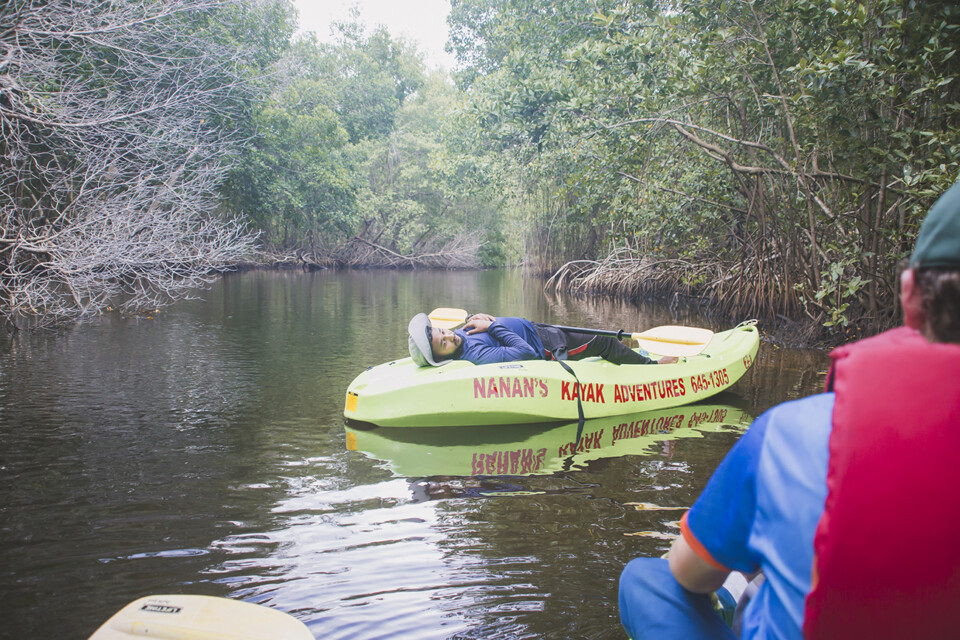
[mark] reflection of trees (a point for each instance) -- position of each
(605, 312)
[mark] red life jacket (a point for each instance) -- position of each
(884, 564)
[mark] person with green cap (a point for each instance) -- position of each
(845, 504)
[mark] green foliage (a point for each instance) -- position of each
(297, 177)
(352, 148)
(779, 143)
(373, 75)
(787, 149)
(422, 196)
(493, 252)
(300, 179)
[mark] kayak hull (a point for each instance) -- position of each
(401, 394)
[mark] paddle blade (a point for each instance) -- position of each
(673, 340)
(447, 318)
(200, 618)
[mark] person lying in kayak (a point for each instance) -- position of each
(846, 501)
(484, 339)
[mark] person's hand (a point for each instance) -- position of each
(667, 360)
(478, 323)
(481, 316)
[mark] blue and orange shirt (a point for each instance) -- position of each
(769, 489)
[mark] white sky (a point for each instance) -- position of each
(423, 21)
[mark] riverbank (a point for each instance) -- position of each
(725, 295)
(360, 253)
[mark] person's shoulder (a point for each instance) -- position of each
(798, 427)
(810, 406)
(791, 416)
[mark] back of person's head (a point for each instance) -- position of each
(936, 264)
(940, 299)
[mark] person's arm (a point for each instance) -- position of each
(508, 347)
(716, 530)
(693, 572)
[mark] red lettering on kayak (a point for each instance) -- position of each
(705, 381)
(517, 387)
(587, 392)
(662, 389)
(528, 384)
(699, 383)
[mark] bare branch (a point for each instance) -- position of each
(108, 164)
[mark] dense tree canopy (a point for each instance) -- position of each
(773, 156)
(341, 162)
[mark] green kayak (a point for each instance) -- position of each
(401, 394)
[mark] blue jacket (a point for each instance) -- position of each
(507, 340)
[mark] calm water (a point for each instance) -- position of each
(204, 451)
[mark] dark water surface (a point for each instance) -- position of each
(204, 451)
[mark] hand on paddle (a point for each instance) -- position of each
(478, 323)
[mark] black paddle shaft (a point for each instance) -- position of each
(619, 334)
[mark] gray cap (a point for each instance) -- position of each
(938, 244)
(419, 343)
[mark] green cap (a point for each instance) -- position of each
(938, 244)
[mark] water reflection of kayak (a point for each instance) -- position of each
(400, 394)
(535, 449)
